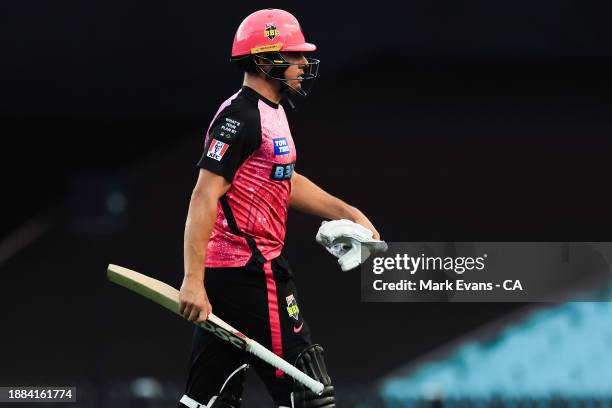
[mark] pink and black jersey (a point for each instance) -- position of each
(249, 143)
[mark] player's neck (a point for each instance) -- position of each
(269, 89)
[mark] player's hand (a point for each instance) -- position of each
(193, 301)
(362, 220)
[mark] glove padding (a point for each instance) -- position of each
(311, 362)
(348, 241)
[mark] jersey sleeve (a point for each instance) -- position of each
(234, 135)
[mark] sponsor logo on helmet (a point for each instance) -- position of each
(266, 48)
(271, 31)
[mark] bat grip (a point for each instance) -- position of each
(274, 360)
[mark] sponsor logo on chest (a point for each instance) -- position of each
(281, 146)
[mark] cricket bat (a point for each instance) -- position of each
(168, 297)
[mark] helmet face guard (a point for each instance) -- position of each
(274, 65)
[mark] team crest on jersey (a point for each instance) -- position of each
(271, 32)
(292, 307)
(281, 146)
(217, 149)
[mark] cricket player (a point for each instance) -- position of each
(235, 227)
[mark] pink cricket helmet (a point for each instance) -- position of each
(269, 30)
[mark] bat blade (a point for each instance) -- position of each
(153, 289)
(168, 297)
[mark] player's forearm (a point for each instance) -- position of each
(198, 227)
(309, 198)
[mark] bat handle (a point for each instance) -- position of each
(274, 360)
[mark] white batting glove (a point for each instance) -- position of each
(348, 241)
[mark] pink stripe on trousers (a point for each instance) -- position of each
(275, 327)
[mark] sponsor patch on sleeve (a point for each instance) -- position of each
(217, 149)
(281, 146)
(229, 128)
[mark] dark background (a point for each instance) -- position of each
(441, 120)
